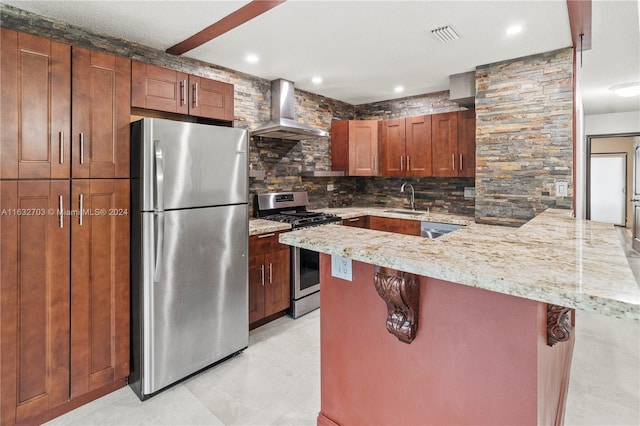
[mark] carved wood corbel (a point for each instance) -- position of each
(401, 292)
(559, 327)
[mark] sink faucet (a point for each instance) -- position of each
(413, 197)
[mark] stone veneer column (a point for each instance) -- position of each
(524, 113)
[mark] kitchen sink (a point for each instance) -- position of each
(434, 230)
(409, 212)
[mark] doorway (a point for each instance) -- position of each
(608, 186)
(610, 211)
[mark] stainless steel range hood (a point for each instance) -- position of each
(283, 124)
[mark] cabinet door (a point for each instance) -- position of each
(100, 115)
(277, 281)
(210, 98)
(34, 298)
(444, 133)
(35, 107)
(159, 88)
(256, 288)
(418, 146)
(467, 143)
(363, 148)
(393, 160)
(100, 283)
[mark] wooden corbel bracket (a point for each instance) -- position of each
(401, 292)
(559, 327)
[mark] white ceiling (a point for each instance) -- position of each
(364, 49)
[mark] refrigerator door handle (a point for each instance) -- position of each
(159, 210)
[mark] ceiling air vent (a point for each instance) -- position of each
(445, 34)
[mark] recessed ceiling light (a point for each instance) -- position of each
(251, 58)
(316, 80)
(626, 90)
(398, 89)
(514, 29)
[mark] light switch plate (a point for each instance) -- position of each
(469, 192)
(562, 189)
(341, 268)
(330, 187)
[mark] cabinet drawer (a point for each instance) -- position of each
(357, 222)
(265, 243)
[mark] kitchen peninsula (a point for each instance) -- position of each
(481, 318)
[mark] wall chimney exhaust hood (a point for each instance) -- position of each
(462, 89)
(283, 124)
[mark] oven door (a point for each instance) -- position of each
(305, 272)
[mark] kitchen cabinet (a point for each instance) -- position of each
(357, 222)
(164, 89)
(269, 276)
(399, 226)
(101, 114)
(405, 146)
(467, 143)
(100, 283)
(60, 245)
(454, 144)
(34, 299)
(354, 147)
(35, 107)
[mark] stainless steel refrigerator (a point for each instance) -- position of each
(189, 249)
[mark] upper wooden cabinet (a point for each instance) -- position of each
(467, 143)
(454, 144)
(100, 115)
(354, 147)
(405, 146)
(35, 107)
(163, 89)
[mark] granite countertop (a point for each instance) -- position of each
(553, 258)
(261, 226)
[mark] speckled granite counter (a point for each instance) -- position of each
(261, 226)
(554, 258)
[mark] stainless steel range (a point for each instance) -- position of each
(291, 207)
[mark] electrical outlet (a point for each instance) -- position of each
(469, 192)
(330, 187)
(341, 268)
(562, 189)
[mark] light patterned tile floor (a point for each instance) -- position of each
(276, 381)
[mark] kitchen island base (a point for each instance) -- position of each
(478, 357)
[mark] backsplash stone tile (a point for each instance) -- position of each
(524, 113)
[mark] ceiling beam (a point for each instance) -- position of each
(580, 22)
(229, 22)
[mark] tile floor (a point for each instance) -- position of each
(276, 380)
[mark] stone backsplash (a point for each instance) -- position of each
(524, 142)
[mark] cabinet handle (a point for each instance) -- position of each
(81, 147)
(183, 92)
(195, 95)
(60, 207)
(408, 168)
(357, 219)
(460, 161)
(266, 235)
(262, 273)
(375, 167)
(401, 162)
(81, 208)
(61, 138)
(270, 273)
(453, 161)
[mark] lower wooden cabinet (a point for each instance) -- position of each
(399, 226)
(64, 295)
(357, 222)
(269, 276)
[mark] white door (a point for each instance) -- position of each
(608, 188)
(636, 194)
